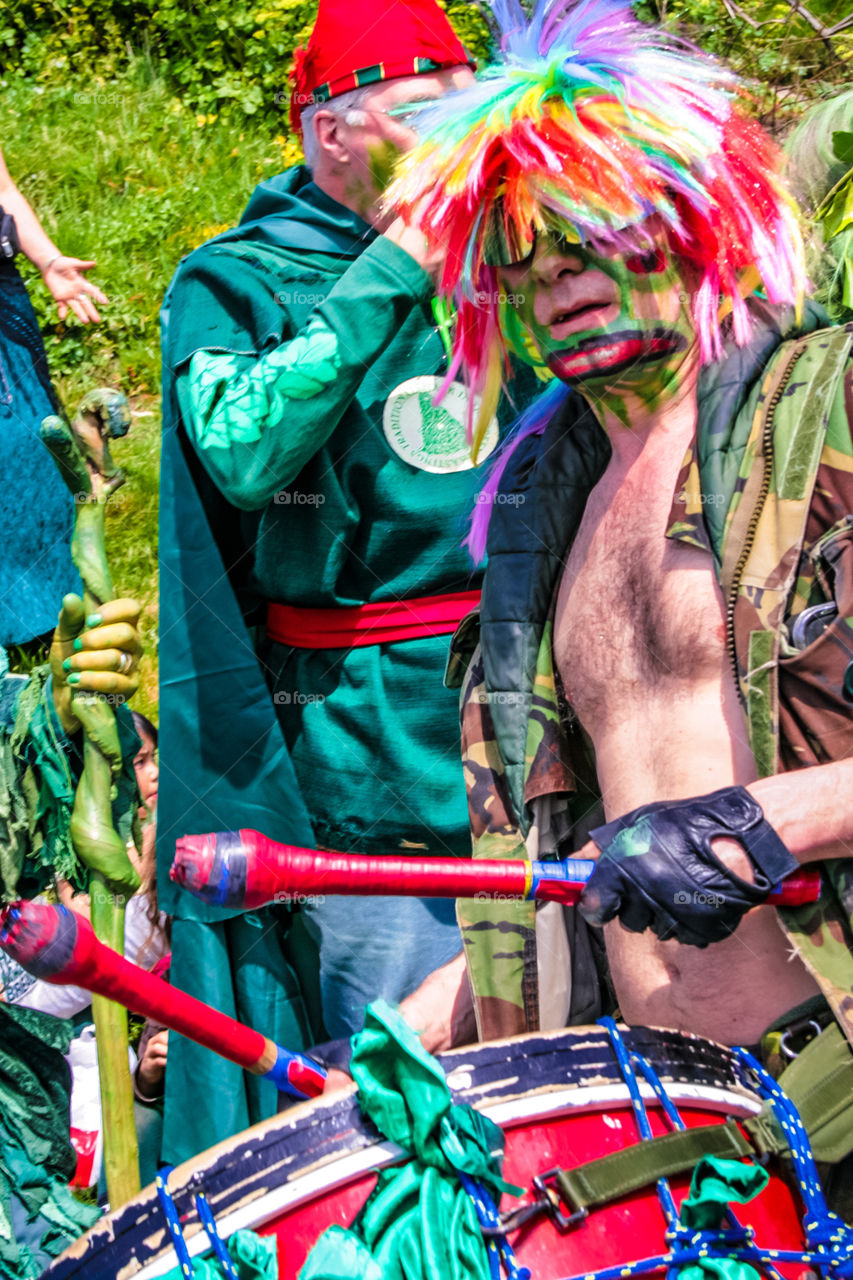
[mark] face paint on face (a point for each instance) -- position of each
(610, 323)
(381, 159)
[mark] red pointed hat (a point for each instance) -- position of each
(360, 42)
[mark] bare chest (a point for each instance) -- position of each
(637, 612)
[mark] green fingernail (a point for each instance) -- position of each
(75, 679)
(66, 666)
(94, 620)
(78, 645)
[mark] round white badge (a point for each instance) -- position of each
(431, 436)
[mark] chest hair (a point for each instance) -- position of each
(636, 611)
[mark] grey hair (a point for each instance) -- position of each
(349, 106)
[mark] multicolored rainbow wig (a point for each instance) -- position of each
(591, 123)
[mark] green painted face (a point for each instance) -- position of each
(614, 325)
(381, 158)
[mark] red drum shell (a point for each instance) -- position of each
(560, 1100)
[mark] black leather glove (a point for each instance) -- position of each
(657, 869)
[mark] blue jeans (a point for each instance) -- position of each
(373, 948)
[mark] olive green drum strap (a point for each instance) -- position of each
(819, 1082)
(599, 1181)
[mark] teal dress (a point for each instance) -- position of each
(37, 513)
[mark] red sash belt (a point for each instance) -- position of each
(369, 623)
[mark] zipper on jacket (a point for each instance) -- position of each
(749, 536)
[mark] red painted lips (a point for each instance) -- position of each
(613, 353)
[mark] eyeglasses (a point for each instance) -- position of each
(405, 114)
(505, 244)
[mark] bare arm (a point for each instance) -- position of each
(812, 809)
(441, 1011)
(63, 275)
(35, 242)
(442, 1008)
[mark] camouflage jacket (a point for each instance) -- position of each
(767, 489)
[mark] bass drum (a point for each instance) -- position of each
(561, 1101)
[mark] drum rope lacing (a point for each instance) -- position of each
(176, 1231)
(498, 1248)
(828, 1235)
(688, 1244)
(829, 1239)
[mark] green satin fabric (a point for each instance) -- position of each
(419, 1222)
(716, 1184)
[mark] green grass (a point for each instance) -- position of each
(121, 172)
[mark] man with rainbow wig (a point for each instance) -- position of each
(664, 680)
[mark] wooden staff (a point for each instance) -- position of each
(83, 458)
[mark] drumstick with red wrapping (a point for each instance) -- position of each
(244, 869)
(59, 946)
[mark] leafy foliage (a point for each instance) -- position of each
(218, 56)
(772, 45)
(229, 58)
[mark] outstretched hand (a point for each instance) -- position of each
(441, 1011)
(99, 654)
(65, 279)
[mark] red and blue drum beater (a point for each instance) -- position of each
(244, 870)
(59, 946)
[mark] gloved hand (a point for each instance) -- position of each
(657, 869)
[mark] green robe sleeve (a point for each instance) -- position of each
(256, 422)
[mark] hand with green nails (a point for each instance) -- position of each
(98, 654)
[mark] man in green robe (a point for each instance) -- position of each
(313, 506)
